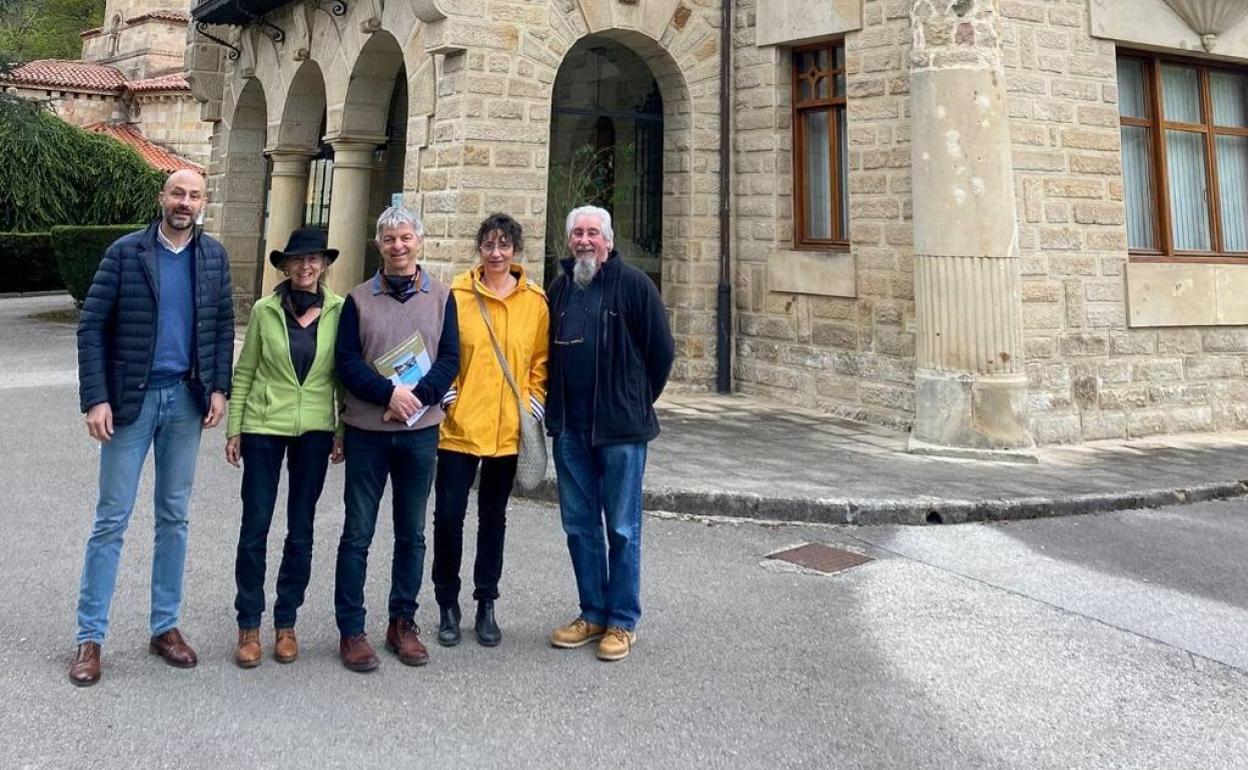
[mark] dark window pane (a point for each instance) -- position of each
(1132, 94)
(1229, 93)
(1233, 183)
(817, 182)
(1180, 93)
(842, 165)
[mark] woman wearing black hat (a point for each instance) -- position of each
(284, 404)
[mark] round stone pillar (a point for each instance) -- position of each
(288, 192)
(349, 217)
(970, 387)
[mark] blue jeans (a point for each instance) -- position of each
(600, 484)
(407, 457)
(170, 421)
(307, 457)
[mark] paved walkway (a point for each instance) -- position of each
(740, 456)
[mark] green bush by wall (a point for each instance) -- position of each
(79, 250)
(27, 263)
(52, 173)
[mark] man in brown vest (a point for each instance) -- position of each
(397, 353)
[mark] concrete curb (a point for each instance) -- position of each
(912, 511)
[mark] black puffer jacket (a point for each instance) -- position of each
(117, 328)
(635, 355)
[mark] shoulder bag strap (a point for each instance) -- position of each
(502, 360)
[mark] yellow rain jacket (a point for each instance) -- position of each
(482, 420)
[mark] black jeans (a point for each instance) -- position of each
(307, 457)
(455, 475)
(407, 457)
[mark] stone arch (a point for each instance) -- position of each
(373, 72)
(299, 119)
(240, 190)
(684, 60)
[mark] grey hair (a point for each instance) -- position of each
(604, 217)
(397, 216)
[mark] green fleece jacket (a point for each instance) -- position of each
(266, 396)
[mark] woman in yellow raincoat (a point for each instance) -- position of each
(482, 426)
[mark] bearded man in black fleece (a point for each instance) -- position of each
(400, 318)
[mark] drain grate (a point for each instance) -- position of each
(820, 558)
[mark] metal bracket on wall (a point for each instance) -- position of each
(202, 28)
(274, 32)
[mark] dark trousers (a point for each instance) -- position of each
(407, 457)
(307, 457)
(456, 472)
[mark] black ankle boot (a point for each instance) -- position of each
(488, 634)
(448, 626)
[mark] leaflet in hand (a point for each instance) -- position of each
(405, 365)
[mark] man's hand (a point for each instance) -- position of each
(216, 410)
(335, 455)
(404, 403)
(100, 422)
(233, 450)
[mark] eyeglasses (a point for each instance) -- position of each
(576, 341)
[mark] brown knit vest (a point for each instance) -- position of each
(385, 323)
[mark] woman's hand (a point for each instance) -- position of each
(335, 455)
(233, 450)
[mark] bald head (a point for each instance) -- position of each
(181, 201)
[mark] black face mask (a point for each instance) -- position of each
(400, 285)
(303, 301)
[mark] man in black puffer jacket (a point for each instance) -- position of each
(155, 348)
(611, 351)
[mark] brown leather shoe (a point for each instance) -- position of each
(248, 653)
(286, 648)
(85, 670)
(403, 639)
(356, 653)
(173, 648)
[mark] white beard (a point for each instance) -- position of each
(585, 268)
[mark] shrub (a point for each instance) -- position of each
(79, 250)
(27, 263)
(52, 173)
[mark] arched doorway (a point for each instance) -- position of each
(241, 189)
(606, 149)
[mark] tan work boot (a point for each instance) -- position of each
(578, 633)
(286, 648)
(248, 653)
(616, 644)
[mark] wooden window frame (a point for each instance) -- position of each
(1156, 125)
(833, 104)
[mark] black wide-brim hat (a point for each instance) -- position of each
(305, 240)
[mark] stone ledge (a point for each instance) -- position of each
(1186, 294)
(822, 273)
(793, 22)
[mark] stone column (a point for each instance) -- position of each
(970, 388)
(349, 217)
(288, 192)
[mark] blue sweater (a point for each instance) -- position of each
(171, 358)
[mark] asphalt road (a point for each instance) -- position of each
(1084, 642)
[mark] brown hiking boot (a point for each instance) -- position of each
(356, 653)
(403, 639)
(286, 648)
(85, 670)
(578, 633)
(248, 653)
(616, 644)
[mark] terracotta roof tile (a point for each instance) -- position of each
(61, 73)
(174, 81)
(163, 14)
(154, 154)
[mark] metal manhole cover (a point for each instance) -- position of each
(820, 558)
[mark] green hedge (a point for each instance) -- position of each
(79, 250)
(53, 173)
(27, 263)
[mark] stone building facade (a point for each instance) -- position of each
(129, 83)
(934, 223)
